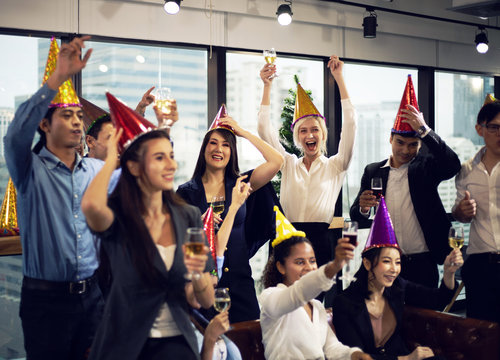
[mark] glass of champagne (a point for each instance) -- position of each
(163, 100)
(270, 57)
(222, 299)
(376, 187)
(350, 231)
(218, 205)
(194, 243)
(456, 238)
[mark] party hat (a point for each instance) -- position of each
(382, 232)
(8, 214)
(303, 106)
(284, 229)
(489, 99)
(91, 114)
(130, 121)
(208, 226)
(66, 95)
(409, 98)
(216, 124)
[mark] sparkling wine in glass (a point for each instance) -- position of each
(349, 231)
(376, 187)
(218, 206)
(222, 299)
(270, 57)
(163, 100)
(194, 244)
(456, 238)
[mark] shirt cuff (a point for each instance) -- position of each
(346, 104)
(325, 282)
(427, 130)
(220, 263)
(365, 214)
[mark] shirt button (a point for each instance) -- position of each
(226, 269)
(43, 96)
(225, 249)
(76, 196)
(79, 256)
(76, 216)
(79, 236)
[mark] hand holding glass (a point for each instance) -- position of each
(194, 244)
(270, 57)
(222, 299)
(376, 187)
(349, 231)
(218, 205)
(456, 238)
(163, 99)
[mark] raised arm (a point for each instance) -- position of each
(95, 200)
(274, 160)
(146, 100)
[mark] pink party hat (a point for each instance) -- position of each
(216, 124)
(382, 232)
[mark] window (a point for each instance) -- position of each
(128, 71)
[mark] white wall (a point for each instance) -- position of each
(319, 28)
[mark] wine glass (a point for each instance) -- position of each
(218, 206)
(456, 238)
(270, 56)
(350, 231)
(163, 100)
(194, 244)
(376, 187)
(222, 299)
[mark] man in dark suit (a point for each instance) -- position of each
(410, 179)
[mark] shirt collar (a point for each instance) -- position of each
(479, 156)
(388, 164)
(53, 161)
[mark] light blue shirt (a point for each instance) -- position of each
(57, 243)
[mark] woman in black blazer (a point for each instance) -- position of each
(369, 313)
(142, 227)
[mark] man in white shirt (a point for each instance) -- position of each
(478, 203)
(410, 179)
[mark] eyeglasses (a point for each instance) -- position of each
(492, 128)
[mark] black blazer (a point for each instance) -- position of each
(352, 320)
(434, 163)
(132, 305)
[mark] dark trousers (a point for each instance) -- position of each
(59, 325)
(481, 276)
(420, 268)
(175, 347)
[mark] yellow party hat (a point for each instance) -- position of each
(66, 95)
(489, 99)
(284, 229)
(8, 214)
(303, 106)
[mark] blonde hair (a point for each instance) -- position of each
(322, 126)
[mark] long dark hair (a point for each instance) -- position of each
(127, 202)
(272, 276)
(232, 168)
(43, 138)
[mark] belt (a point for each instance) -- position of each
(490, 257)
(66, 287)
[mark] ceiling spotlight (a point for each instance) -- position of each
(481, 40)
(370, 24)
(172, 7)
(285, 13)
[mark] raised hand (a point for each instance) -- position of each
(169, 118)
(112, 144)
(367, 200)
(344, 251)
(146, 100)
(413, 117)
(241, 190)
(335, 65)
(228, 120)
(267, 72)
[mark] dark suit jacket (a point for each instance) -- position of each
(434, 163)
(132, 305)
(352, 320)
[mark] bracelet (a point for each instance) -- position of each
(201, 290)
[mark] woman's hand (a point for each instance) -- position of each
(168, 118)
(217, 217)
(344, 251)
(453, 261)
(195, 263)
(420, 352)
(229, 121)
(217, 326)
(266, 74)
(146, 100)
(335, 65)
(112, 144)
(241, 190)
(358, 355)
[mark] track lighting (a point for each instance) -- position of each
(284, 13)
(481, 40)
(172, 7)
(370, 24)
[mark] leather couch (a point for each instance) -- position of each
(454, 337)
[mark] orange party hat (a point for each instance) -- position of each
(216, 124)
(8, 214)
(66, 95)
(409, 98)
(133, 124)
(303, 106)
(208, 226)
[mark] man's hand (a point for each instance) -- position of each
(147, 99)
(413, 117)
(367, 200)
(466, 209)
(69, 62)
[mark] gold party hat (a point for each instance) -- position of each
(303, 106)
(284, 229)
(489, 99)
(8, 214)
(66, 95)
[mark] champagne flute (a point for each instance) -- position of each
(456, 238)
(350, 231)
(270, 57)
(163, 100)
(376, 186)
(222, 299)
(218, 206)
(194, 244)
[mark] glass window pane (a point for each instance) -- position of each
(375, 92)
(127, 71)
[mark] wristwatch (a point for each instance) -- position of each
(422, 130)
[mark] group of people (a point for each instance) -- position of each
(104, 259)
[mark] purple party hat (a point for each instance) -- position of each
(382, 232)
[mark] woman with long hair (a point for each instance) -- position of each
(142, 227)
(294, 324)
(215, 174)
(369, 313)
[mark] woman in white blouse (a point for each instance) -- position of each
(317, 178)
(294, 324)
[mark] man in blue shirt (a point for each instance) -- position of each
(61, 303)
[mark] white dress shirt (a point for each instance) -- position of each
(310, 196)
(484, 233)
(410, 237)
(287, 330)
